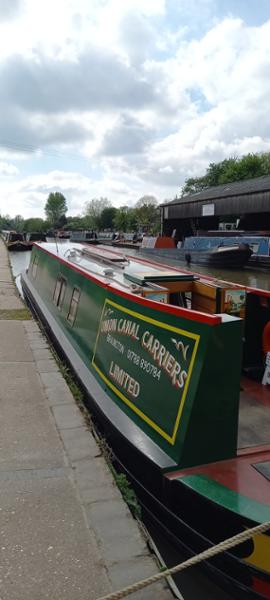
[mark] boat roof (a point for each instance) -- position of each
(124, 271)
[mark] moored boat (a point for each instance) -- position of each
(201, 251)
(84, 236)
(14, 241)
(224, 257)
(62, 234)
(128, 240)
(259, 245)
(34, 236)
(160, 353)
(120, 240)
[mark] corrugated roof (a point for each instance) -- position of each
(238, 188)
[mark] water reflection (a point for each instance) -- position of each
(20, 260)
(258, 279)
(248, 277)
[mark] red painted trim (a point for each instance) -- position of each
(258, 292)
(237, 474)
(178, 311)
(261, 586)
(251, 450)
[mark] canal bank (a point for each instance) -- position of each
(66, 532)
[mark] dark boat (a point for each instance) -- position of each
(224, 257)
(34, 236)
(259, 243)
(160, 354)
(120, 240)
(62, 234)
(14, 241)
(84, 236)
(229, 256)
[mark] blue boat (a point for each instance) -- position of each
(259, 246)
(219, 251)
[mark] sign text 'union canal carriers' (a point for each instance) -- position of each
(147, 363)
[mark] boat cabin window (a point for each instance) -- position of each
(34, 266)
(73, 307)
(59, 291)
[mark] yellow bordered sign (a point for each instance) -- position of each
(164, 326)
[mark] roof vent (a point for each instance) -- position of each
(108, 272)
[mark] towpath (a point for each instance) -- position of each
(66, 533)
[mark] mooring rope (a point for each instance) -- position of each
(209, 553)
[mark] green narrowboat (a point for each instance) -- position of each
(173, 364)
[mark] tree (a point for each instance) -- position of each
(194, 185)
(93, 210)
(5, 222)
(18, 223)
(35, 224)
(106, 217)
(148, 214)
(62, 221)
(55, 208)
(265, 158)
(229, 170)
(132, 219)
(121, 219)
(77, 222)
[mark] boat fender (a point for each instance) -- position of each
(187, 257)
(266, 338)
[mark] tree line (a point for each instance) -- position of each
(228, 171)
(98, 215)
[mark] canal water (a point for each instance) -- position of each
(192, 584)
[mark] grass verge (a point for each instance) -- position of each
(15, 314)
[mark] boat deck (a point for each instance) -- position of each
(244, 482)
(254, 414)
(245, 478)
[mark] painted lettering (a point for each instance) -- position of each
(124, 380)
(129, 328)
(115, 343)
(108, 325)
(164, 359)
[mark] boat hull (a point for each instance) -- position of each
(17, 246)
(235, 258)
(259, 261)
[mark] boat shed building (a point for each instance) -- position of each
(244, 204)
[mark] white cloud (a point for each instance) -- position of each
(135, 88)
(8, 169)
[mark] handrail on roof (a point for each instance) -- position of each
(120, 263)
(108, 273)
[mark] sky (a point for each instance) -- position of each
(126, 98)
